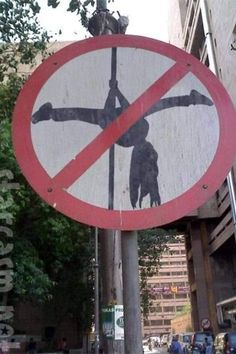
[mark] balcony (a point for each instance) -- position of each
(193, 9)
(225, 229)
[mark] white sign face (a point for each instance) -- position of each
(119, 322)
(124, 132)
(206, 323)
(5, 331)
(179, 134)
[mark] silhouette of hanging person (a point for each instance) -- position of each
(143, 167)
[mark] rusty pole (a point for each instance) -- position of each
(130, 270)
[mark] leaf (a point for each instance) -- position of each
(74, 5)
(53, 3)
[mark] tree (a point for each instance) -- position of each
(21, 35)
(53, 255)
(78, 7)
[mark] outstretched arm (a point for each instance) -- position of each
(195, 98)
(103, 116)
(47, 112)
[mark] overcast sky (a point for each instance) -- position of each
(147, 18)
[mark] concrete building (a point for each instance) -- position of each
(52, 48)
(169, 290)
(207, 30)
(181, 323)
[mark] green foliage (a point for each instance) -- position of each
(21, 35)
(78, 7)
(184, 311)
(8, 95)
(52, 254)
(53, 3)
(30, 280)
(152, 243)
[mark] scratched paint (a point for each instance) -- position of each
(179, 135)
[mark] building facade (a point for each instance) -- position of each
(182, 323)
(169, 291)
(207, 30)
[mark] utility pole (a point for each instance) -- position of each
(111, 241)
(132, 312)
(96, 295)
(111, 274)
(101, 4)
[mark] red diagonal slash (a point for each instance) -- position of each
(91, 153)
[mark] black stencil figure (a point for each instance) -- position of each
(143, 167)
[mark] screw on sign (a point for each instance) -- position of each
(165, 115)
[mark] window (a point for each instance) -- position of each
(165, 273)
(156, 322)
(179, 273)
(179, 308)
(191, 17)
(168, 309)
(158, 309)
(152, 309)
(174, 252)
(181, 296)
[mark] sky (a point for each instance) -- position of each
(147, 19)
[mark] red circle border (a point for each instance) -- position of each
(89, 214)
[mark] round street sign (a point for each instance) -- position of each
(124, 132)
(206, 323)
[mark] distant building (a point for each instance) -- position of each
(169, 289)
(52, 48)
(181, 323)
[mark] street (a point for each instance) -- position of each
(158, 350)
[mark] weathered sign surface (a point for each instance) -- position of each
(124, 132)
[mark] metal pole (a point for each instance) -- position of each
(111, 288)
(214, 69)
(111, 276)
(96, 290)
(112, 148)
(101, 4)
(232, 196)
(131, 295)
(208, 36)
(109, 241)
